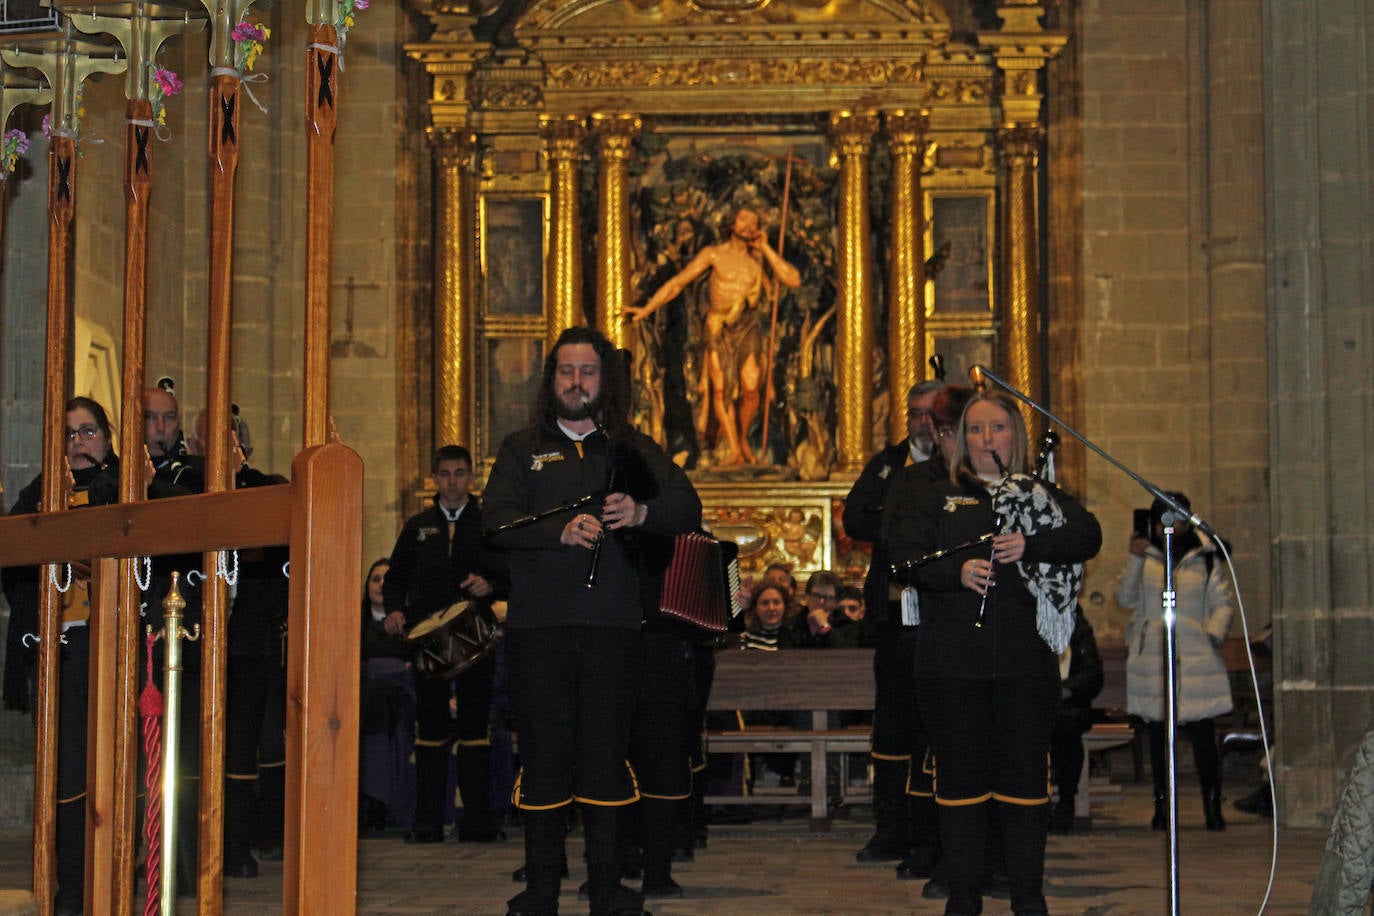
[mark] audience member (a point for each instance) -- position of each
(1204, 608)
(386, 775)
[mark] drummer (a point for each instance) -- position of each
(439, 560)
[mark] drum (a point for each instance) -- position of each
(454, 639)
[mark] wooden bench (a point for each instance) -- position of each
(816, 681)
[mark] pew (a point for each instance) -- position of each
(816, 681)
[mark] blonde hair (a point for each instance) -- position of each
(1017, 461)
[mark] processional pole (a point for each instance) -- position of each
(172, 635)
(65, 63)
(227, 60)
(328, 21)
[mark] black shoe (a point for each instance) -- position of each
(490, 835)
(881, 849)
(1061, 817)
(426, 836)
(1211, 809)
(662, 890)
(935, 889)
(525, 904)
(920, 863)
(248, 868)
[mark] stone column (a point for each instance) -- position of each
(852, 134)
(1021, 351)
(906, 302)
(563, 298)
(615, 134)
(454, 303)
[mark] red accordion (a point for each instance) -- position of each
(701, 582)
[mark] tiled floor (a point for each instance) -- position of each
(779, 867)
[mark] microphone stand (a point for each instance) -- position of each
(1168, 603)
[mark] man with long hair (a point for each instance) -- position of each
(582, 582)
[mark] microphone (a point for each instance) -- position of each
(977, 373)
(937, 366)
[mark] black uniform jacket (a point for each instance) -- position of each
(427, 569)
(863, 519)
(949, 644)
(540, 468)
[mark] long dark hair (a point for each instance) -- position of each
(367, 602)
(613, 401)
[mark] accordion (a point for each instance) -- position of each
(701, 582)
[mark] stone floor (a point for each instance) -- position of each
(1119, 866)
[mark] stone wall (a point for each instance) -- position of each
(1320, 234)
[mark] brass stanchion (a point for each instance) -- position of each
(172, 635)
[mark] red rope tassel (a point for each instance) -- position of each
(150, 708)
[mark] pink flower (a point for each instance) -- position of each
(362, 4)
(47, 126)
(248, 31)
(167, 81)
(17, 139)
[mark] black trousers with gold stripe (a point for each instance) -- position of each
(436, 728)
(573, 692)
(991, 740)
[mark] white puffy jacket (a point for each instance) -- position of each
(1205, 606)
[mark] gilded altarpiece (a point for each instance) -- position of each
(861, 137)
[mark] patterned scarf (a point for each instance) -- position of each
(1028, 506)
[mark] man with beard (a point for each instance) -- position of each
(573, 641)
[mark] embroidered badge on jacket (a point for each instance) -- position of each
(537, 461)
(427, 531)
(952, 503)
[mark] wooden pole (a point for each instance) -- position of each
(57, 364)
(773, 323)
(321, 86)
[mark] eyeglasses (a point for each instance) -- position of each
(945, 432)
(85, 431)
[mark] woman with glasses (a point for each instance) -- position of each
(997, 588)
(94, 481)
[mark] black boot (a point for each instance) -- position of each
(1211, 808)
(474, 784)
(657, 835)
(71, 855)
(892, 837)
(545, 863)
(239, 809)
(607, 895)
(431, 778)
(1161, 818)
(1023, 843)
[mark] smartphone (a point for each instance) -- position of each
(1140, 522)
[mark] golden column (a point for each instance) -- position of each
(453, 287)
(852, 133)
(563, 299)
(906, 303)
(1020, 262)
(1021, 48)
(615, 133)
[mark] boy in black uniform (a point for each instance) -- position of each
(575, 652)
(438, 560)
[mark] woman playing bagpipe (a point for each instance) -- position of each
(996, 556)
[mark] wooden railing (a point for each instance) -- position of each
(318, 515)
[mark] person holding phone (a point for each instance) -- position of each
(1205, 605)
